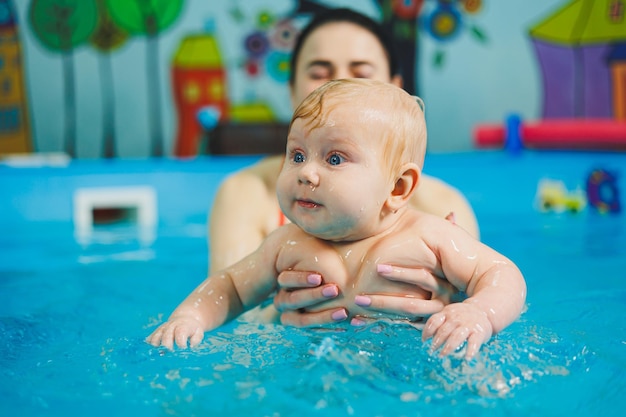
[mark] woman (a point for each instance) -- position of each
(337, 44)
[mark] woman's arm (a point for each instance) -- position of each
(239, 219)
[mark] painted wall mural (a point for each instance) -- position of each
(581, 49)
(64, 25)
(267, 44)
(204, 62)
(199, 82)
(14, 114)
(199, 74)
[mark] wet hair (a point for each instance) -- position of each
(405, 134)
(345, 15)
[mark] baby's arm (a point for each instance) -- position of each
(210, 305)
(495, 287)
(220, 298)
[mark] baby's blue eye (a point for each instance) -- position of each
(335, 159)
(298, 157)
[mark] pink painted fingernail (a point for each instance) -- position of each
(384, 269)
(314, 279)
(357, 322)
(362, 300)
(330, 291)
(339, 315)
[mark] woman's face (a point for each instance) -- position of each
(339, 50)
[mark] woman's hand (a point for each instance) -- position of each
(399, 305)
(442, 293)
(300, 290)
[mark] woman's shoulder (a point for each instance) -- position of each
(260, 176)
(438, 188)
(267, 169)
(439, 198)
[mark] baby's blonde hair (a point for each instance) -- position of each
(406, 138)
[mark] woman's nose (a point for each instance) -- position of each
(341, 73)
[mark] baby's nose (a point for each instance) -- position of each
(309, 175)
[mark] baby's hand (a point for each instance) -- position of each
(177, 329)
(455, 324)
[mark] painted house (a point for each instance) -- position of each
(198, 80)
(14, 120)
(573, 46)
(617, 63)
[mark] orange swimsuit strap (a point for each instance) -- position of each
(281, 218)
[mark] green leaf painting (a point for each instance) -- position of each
(61, 25)
(144, 17)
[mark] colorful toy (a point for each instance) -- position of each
(552, 195)
(602, 191)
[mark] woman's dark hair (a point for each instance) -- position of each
(341, 15)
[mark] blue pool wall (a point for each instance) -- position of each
(184, 188)
(495, 183)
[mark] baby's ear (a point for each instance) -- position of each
(404, 187)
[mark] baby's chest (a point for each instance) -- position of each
(353, 267)
(316, 256)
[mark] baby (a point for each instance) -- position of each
(355, 152)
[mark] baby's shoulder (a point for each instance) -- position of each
(415, 220)
(408, 244)
(424, 227)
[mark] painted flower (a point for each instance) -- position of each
(277, 65)
(256, 44)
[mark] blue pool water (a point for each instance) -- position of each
(73, 315)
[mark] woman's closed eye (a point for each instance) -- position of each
(362, 70)
(320, 72)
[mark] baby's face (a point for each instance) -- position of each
(334, 181)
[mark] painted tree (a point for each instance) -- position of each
(61, 26)
(106, 38)
(148, 18)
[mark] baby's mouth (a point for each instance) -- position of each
(307, 203)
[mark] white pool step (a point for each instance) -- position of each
(137, 203)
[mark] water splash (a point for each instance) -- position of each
(252, 369)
